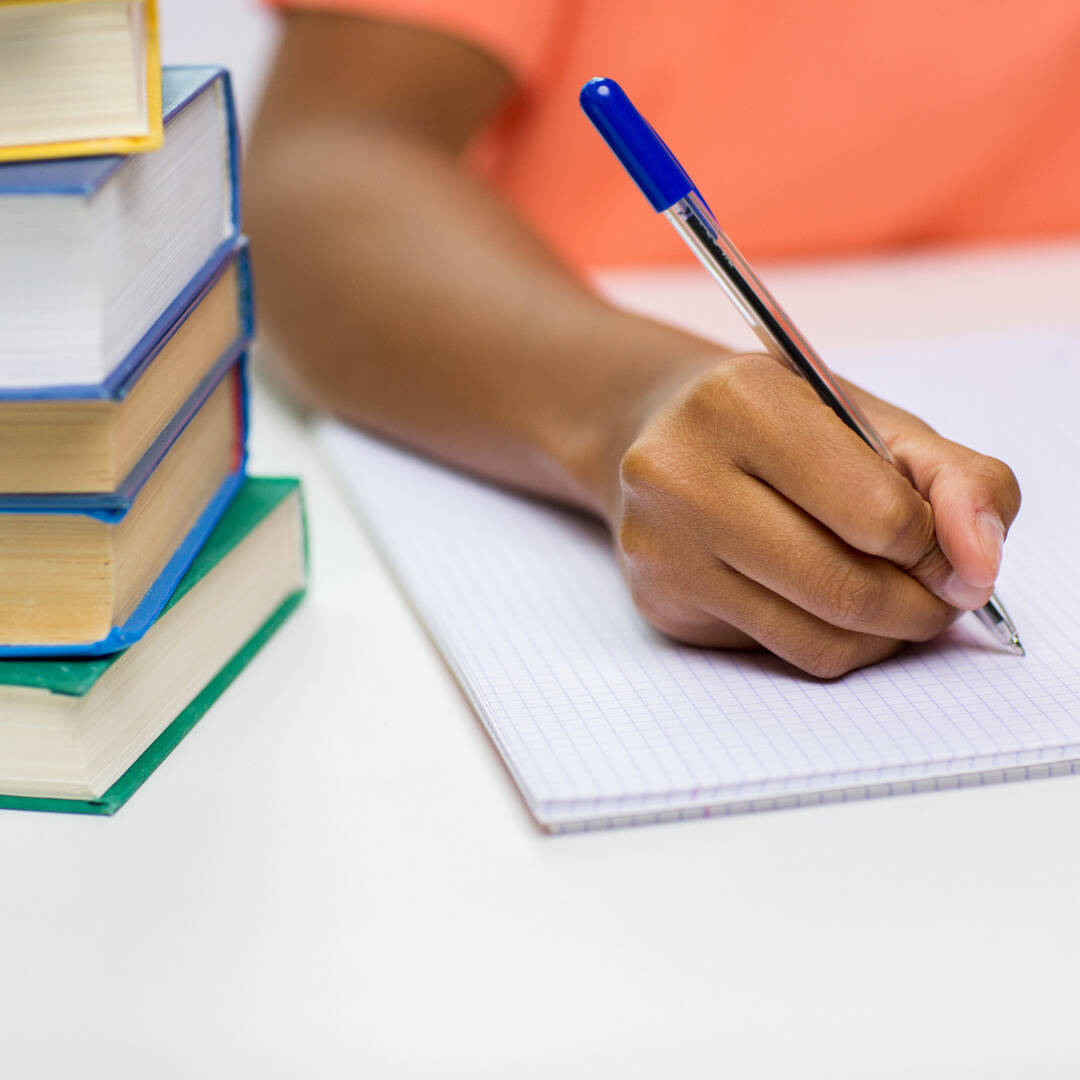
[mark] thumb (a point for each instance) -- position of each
(974, 498)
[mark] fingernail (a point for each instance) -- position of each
(960, 594)
(992, 537)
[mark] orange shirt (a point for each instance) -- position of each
(833, 126)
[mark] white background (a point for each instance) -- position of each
(238, 34)
(333, 875)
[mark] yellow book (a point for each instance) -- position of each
(78, 78)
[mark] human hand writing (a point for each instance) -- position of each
(747, 514)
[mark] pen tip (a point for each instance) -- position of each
(1014, 644)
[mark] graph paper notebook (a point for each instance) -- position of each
(602, 721)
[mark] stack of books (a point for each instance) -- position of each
(140, 568)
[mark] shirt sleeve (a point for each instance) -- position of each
(517, 33)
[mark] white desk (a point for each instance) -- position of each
(228, 923)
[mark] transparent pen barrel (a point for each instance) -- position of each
(693, 220)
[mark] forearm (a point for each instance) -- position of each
(404, 296)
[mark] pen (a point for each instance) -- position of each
(671, 192)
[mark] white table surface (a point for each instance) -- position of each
(333, 875)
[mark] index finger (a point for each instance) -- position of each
(796, 444)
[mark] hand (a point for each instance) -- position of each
(747, 513)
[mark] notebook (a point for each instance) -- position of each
(602, 721)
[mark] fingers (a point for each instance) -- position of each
(731, 611)
(750, 513)
(765, 572)
(797, 445)
(778, 545)
(975, 500)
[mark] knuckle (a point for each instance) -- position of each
(852, 594)
(893, 511)
(751, 366)
(742, 377)
(902, 520)
(639, 468)
(666, 483)
(830, 657)
(654, 472)
(735, 404)
(659, 608)
(633, 541)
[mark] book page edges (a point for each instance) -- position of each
(170, 738)
(130, 144)
(109, 746)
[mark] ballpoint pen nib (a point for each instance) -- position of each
(996, 619)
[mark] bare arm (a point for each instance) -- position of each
(404, 296)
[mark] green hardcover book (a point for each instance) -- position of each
(81, 735)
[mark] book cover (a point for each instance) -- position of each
(122, 379)
(83, 176)
(118, 501)
(156, 597)
(77, 677)
(71, 349)
(132, 144)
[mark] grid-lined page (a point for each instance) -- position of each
(599, 718)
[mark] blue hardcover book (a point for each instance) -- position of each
(100, 255)
(94, 450)
(77, 581)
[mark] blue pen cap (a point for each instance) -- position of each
(644, 155)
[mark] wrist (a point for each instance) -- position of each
(639, 365)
